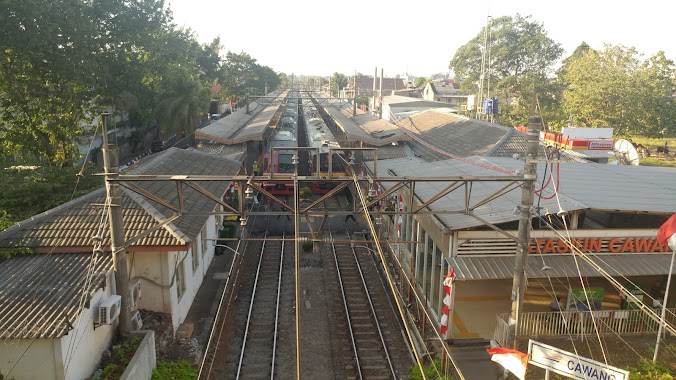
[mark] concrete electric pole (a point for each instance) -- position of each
(525, 215)
(110, 167)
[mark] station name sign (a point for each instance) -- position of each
(599, 245)
(571, 365)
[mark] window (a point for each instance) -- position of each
(205, 242)
(195, 256)
(180, 280)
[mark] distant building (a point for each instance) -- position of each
(446, 91)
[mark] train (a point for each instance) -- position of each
(279, 160)
(320, 137)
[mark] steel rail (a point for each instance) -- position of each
(373, 311)
(347, 311)
(279, 293)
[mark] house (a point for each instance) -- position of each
(396, 107)
(446, 91)
(364, 86)
(168, 255)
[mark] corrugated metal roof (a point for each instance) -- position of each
(73, 224)
(452, 133)
(612, 187)
(40, 293)
(366, 127)
(240, 126)
(514, 142)
(499, 210)
(495, 267)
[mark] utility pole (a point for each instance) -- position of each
(111, 170)
(527, 195)
(354, 94)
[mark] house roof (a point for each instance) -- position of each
(73, 224)
(365, 84)
(40, 294)
(451, 133)
(406, 101)
(445, 89)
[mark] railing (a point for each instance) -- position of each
(580, 324)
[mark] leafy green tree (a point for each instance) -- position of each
(181, 103)
(338, 82)
(421, 81)
(522, 59)
(614, 88)
(48, 77)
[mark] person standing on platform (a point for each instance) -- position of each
(255, 167)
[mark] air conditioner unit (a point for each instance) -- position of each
(109, 310)
(134, 293)
(136, 321)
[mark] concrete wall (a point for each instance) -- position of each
(144, 361)
(81, 349)
(74, 356)
(156, 270)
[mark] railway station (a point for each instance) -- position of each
(430, 230)
(306, 202)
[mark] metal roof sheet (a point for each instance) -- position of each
(40, 293)
(499, 210)
(366, 127)
(611, 187)
(495, 267)
(444, 132)
(241, 126)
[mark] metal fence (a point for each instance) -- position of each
(579, 324)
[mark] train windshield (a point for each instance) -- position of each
(285, 163)
(336, 163)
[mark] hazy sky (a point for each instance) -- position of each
(416, 37)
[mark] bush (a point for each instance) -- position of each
(305, 192)
(180, 370)
(431, 372)
(120, 359)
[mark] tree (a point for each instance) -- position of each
(421, 81)
(183, 100)
(522, 58)
(614, 88)
(43, 97)
(338, 82)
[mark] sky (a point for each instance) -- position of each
(418, 37)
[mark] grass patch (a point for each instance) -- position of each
(432, 372)
(120, 359)
(180, 370)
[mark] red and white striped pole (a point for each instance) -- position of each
(448, 289)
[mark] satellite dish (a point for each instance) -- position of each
(625, 153)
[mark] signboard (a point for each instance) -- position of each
(599, 245)
(571, 365)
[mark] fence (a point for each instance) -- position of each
(580, 324)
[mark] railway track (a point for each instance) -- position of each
(368, 357)
(258, 355)
(252, 342)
